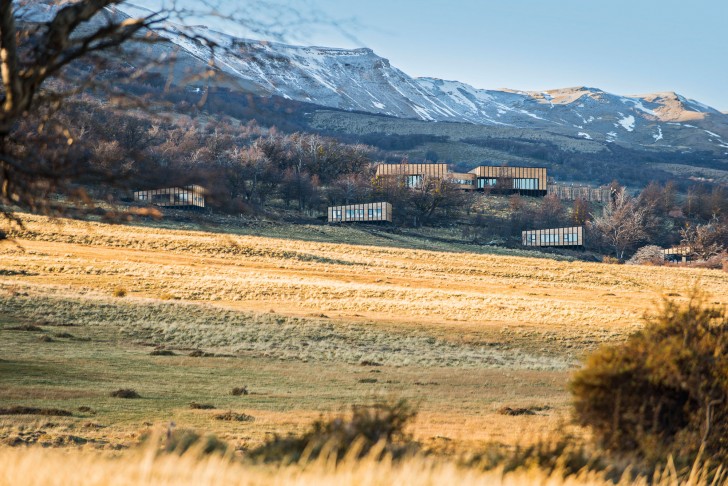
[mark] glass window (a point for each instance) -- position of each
(414, 180)
(486, 182)
(525, 184)
(571, 238)
(375, 213)
(549, 238)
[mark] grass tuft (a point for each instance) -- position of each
(201, 406)
(125, 393)
(234, 417)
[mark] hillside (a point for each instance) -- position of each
(462, 333)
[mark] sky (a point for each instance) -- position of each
(621, 46)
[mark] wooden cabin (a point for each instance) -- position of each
(677, 254)
(179, 197)
(572, 192)
(377, 212)
(530, 181)
(563, 237)
(413, 174)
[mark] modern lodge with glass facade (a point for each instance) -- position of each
(529, 181)
(179, 197)
(571, 236)
(378, 212)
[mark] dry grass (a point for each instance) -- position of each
(35, 466)
(312, 320)
(453, 289)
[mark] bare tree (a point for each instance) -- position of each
(580, 212)
(44, 64)
(622, 223)
(705, 240)
(432, 196)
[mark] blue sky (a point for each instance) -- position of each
(621, 46)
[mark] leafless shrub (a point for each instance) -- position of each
(648, 255)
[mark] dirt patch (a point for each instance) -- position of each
(49, 412)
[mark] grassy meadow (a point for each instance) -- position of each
(310, 320)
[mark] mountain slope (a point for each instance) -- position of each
(360, 80)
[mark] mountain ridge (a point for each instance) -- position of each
(359, 80)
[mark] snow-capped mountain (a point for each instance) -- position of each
(360, 80)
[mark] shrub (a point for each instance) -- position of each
(665, 390)
(201, 406)
(17, 410)
(162, 352)
(234, 417)
(611, 260)
(515, 411)
(119, 292)
(26, 327)
(240, 390)
(648, 255)
(125, 393)
(368, 426)
(562, 455)
(179, 441)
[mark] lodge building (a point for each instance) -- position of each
(377, 212)
(179, 197)
(531, 181)
(563, 237)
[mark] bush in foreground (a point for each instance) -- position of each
(381, 425)
(665, 390)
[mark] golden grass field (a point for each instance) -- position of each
(44, 467)
(312, 319)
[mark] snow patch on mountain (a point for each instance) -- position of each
(360, 80)
(627, 122)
